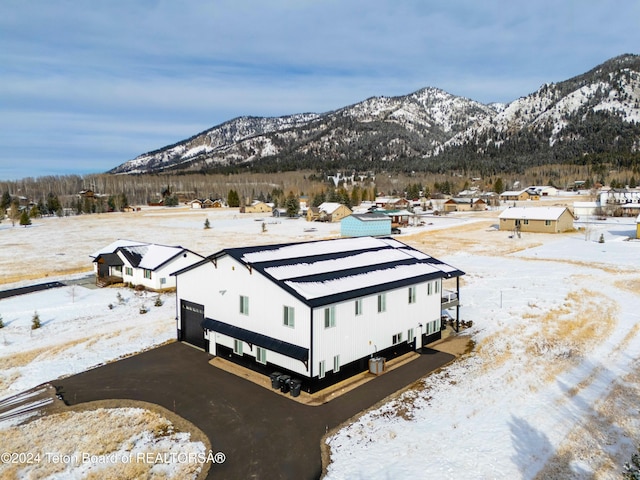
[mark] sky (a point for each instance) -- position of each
(86, 86)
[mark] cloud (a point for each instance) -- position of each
(153, 66)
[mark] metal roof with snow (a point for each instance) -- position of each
(533, 213)
(330, 271)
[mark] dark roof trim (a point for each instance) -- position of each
(252, 338)
(372, 290)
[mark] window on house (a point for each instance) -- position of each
(330, 317)
(382, 302)
(336, 364)
(547, 223)
(397, 338)
(410, 335)
(128, 271)
(412, 294)
(237, 347)
(163, 281)
(244, 305)
(118, 269)
(437, 286)
(526, 222)
(429, 288)
(321, 369)
(359, 306)
(147, 274)
(261, 355)
(288, 316)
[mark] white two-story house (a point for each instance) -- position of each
(315, 310)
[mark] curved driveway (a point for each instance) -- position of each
(262, 433)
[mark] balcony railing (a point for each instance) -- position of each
(449, 299)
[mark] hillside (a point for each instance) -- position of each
(596, 113)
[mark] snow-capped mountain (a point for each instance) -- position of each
(595, 112)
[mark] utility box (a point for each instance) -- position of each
(376, 365)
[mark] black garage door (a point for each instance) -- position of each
(191, 318)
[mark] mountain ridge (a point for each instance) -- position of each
(596, 112)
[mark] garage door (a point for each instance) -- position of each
(191, 318)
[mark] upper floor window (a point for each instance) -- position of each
(359, 306)
(288, 316)
(382, 302)
(330, 317)
(412, 294)
(244, 305)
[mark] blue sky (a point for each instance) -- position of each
(86, 86)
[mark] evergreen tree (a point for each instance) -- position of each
(292, 204)
(233, 199)
(498, 186)
(207, 225)
(24, 218)
(5, 201)
(35, 321)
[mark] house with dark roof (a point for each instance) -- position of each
(138, 263)
(317, 311)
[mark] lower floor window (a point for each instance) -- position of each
(237, 347)
(397, 338)
(321, 369)
(336, 364)
(261, 355)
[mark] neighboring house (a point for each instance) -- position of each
(399, 218)
(619, 196)
(328, 212)
(317, 311)
(464, 205)
(585, 209)
(257, 207)
(201, 203)
(365, 224)
(537, 219)
(137, 263)
(391, 203)
(515, 196)
(543, 190)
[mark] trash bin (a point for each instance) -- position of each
(295, 386)
(376, 365)
(275, 379)
(284, 383)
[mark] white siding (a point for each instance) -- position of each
(219, 289)
(358, 336)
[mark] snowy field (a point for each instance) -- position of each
(551, 389)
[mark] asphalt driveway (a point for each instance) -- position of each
(262, 434)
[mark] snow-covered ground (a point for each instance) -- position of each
(551, 389)
(553, 386)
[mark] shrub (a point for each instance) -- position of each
(1, 322)
(158, 302)
(35, 321)
(143, 309)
